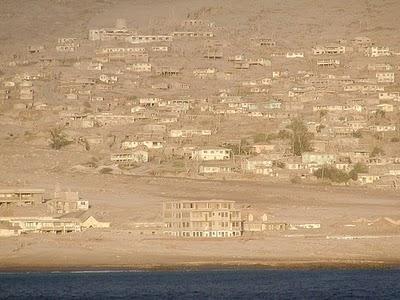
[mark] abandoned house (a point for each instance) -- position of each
(211, 153)
(21, 196)
(66, 202)
(212, 218)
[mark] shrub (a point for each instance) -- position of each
(279, 164)
(283, 134)
(357, 134)
(58, 138)
(106, 170)
(377, 151)
(260, 138)
(295, 180)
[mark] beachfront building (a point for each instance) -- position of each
(21, 197)
(44, 224)
(51, 224)
(211, 218)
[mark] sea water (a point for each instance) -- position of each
(203, 284)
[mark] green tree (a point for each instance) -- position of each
(260, 138)
(331, 173)
(395, 139)
(283, 134)
(300, 137)
(380, 114)
(357, 134)
(320, 127)
(377, 151)
(322, 113)
(58, 138)
(358, 168)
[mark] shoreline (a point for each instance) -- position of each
(206, 266)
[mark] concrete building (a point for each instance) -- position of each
(186, 133)
(138, 39)
(257, 164)
(211, 153)
(385, 77)
(318, 158)
(378, 51)
(207, 168)
(160, 49)
(50, 225)
(109, 34)
(150, 144)
(212, 218)
(7, 230)
(182, 34)
(295, 55)
(328, 62)
(44, 224)
(107, 119)
(166, 71)
(263, 42)
(127, 158)
(139, 67)
(67, 202)
(367, 178)
(330, 49)
(21, 196)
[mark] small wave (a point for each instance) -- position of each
(100, 271)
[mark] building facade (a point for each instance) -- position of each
(216, 153)
(212, 218)
(21, 196)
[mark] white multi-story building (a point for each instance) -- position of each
(295, 55)
(138, 39)
(389, 96)
(211, 153)
(385, 77)
(331, 49)
(150, 144)
(211, 218)
(378, 51)
(139, 67)
(176, 133)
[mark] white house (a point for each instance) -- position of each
(150, 144)
(295, 55)
(385, 77)
(318, 158)
(136, 156)
(256, 164)
(139, 67)
(211, 153)
(378, 51)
